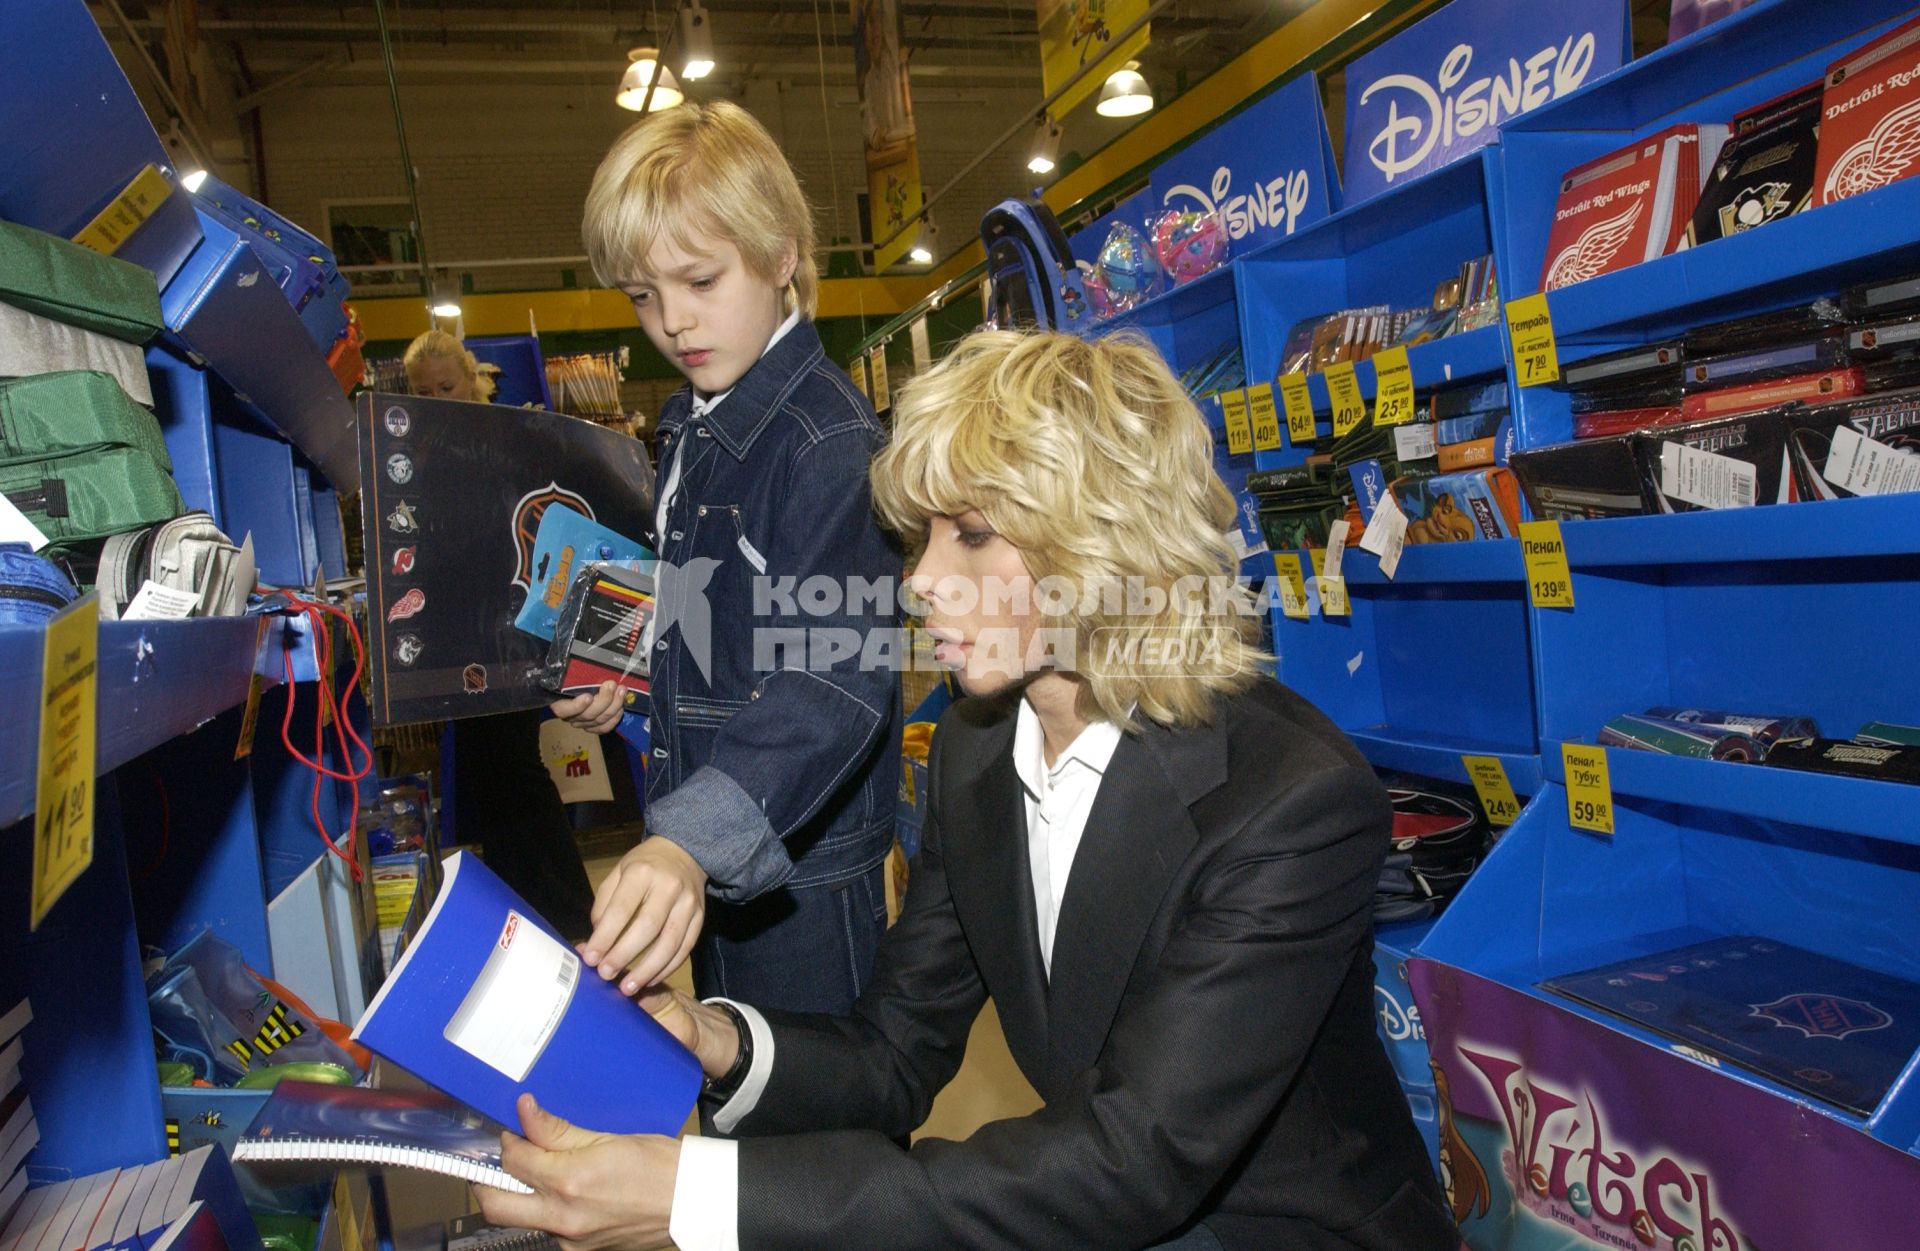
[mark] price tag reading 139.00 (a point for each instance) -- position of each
(1549, 580)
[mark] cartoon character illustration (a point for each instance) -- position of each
(1088, 24)
(1444, 523)
(557, 585)
(1461, 1172)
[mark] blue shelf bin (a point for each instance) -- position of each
(523, 370)
(1736, 63)
(1187, 325)
(1552, 900)
(1782, 609)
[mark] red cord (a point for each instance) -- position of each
(316, 612)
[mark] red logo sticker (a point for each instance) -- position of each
(407, 605)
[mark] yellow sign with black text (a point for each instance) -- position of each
(1298, 401)
(1333, 597)
(63, 783)
(1343, 389)
(1536, 361)
(1233, 406)
(1589, 789)
(1293, 586)
(1549, 580)
(1393, 388)
(1266, 422)
(1489, 778)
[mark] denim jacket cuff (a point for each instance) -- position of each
(713, 820)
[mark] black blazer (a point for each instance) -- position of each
(1205, 1049)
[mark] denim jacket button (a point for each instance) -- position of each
(703, 510)
(659, 753)
(677, 536)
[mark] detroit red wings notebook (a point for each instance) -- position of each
(1628, 206)
(1870, 118)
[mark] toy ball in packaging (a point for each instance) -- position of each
(1099, 300)
(1127, 269)
(1188, 244)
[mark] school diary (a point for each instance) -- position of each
(307, 1121)
(488, 1001)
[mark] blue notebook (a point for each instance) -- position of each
(309, 1122)
(565, 541)
(489, 1001)
(1834, 1030)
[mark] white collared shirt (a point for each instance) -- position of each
(706, 1191)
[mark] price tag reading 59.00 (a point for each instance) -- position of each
(1589, 789)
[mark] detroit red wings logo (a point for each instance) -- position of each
(526, 525)
(1594, 250)
(1884, 156)
(1823, 1016)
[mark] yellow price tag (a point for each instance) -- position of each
(115, 223)
(1393, 388)
(1489, 778)
(63, 784)
(1266, 422)
(1333, 597)
(1299, 405)
(1536, 361)
(1349, 410)
(1233, 406)
(857, 370)
(1293, 586)
(255, 684)
(1589, 790)
(1318, 555)
(877, 373)
(1549, 580)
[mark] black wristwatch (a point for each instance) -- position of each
(720, 1089)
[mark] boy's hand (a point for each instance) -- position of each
(647, 914)
(596, 712)
(706, 1031)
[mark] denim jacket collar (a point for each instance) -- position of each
(738, 419)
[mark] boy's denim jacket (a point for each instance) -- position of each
(774, 753)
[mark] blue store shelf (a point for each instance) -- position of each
(1439, 756)
(1483, 560)
(157, 679)
(1885, 810)
(1818, 530)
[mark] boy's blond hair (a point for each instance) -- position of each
(437, 344)
(1091, 459)
(708, 169)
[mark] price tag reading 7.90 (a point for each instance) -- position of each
(1536, 360)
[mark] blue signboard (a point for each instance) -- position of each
(1268, 171)
(1435, 93)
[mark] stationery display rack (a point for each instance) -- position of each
(1784, 609)
(203, 818)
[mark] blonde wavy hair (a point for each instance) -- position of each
(700, 169)
(439, 345)
(1092, 460)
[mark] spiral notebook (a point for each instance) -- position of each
(306, 1122)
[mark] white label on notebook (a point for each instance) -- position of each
(1414, 442)
(518, 1000)
(1386, 534)
(1869, 467)
(16, 528)
(160, 603)
(1705, 478)
(1336, 548)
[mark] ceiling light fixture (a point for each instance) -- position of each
(1045, 153)
(192, 179)
(1126, 93)
(696, 41)
(633, 84)
(446, 310)
(925, 243)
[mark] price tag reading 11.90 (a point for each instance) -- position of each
(1589, 789)
(1233, 406)
(1549, 580)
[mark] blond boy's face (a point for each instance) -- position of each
(708, 313)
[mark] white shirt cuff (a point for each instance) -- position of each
(706, 1196)
(745, 1099)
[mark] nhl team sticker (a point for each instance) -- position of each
(401, 521)
(473, 679)
(398, 422)
(1823, 1016)
(400, 468)
(408, 605)
(402, 560)
(407, 649)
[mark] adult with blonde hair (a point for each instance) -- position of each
(1154, 859)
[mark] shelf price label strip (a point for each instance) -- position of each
(1536, 361)
(1393, 388)
(63, 783)
(1589, 790)
(1489, 778)
(1549, 580)
(1298, 402)
(1343, 388)
(1266, 422)
(1233, 406)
